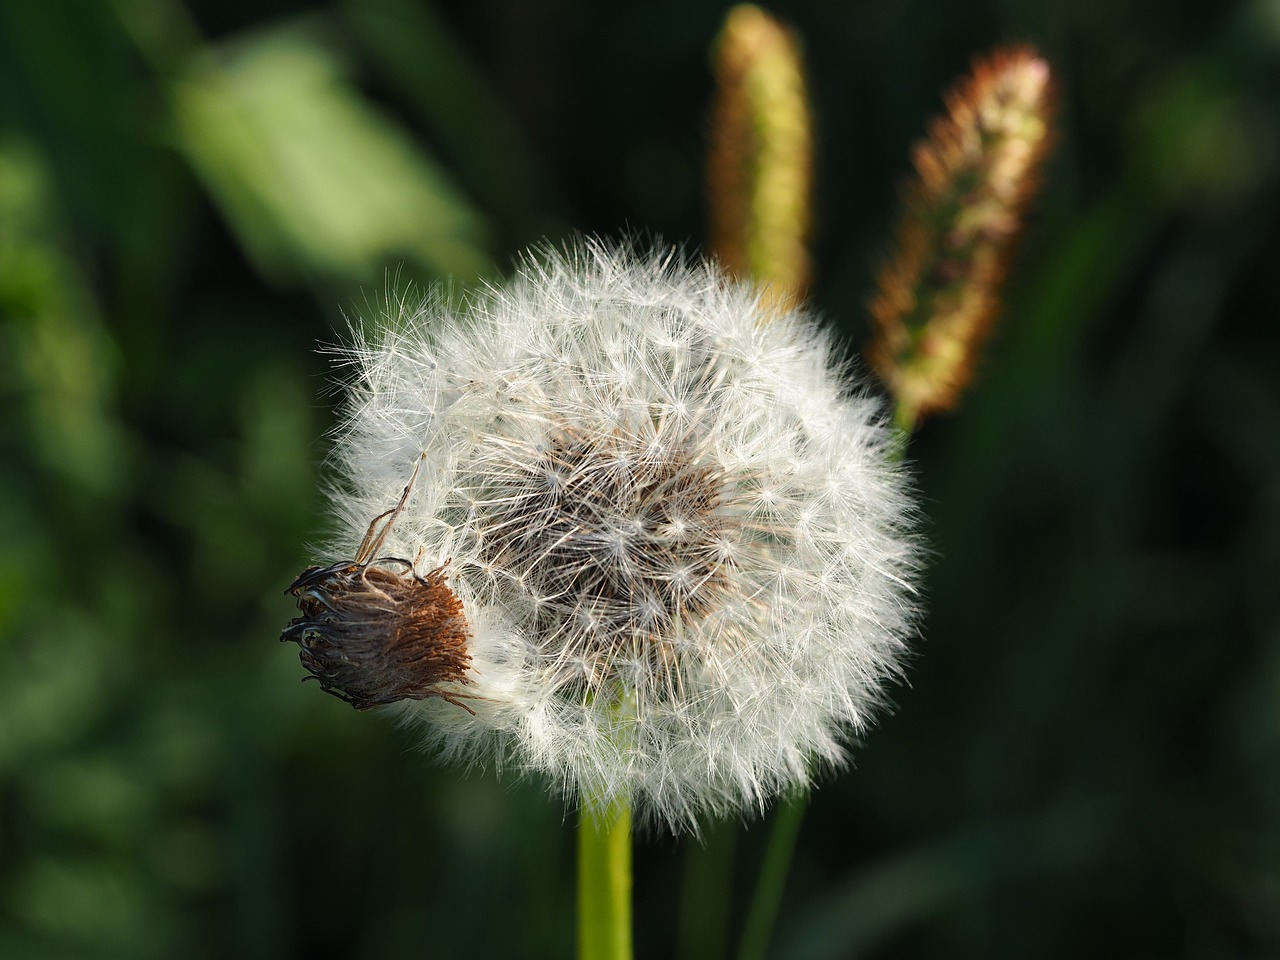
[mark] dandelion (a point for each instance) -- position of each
(652, 547)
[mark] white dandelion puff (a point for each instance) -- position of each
(654, 547)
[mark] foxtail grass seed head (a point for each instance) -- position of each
(759, 166)
(642, 543)
(975, 174)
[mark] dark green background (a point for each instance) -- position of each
(1086, 761)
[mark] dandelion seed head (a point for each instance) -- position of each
(683, 547)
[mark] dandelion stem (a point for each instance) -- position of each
(604, 883)
(773, 878)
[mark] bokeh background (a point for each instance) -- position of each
(1086, 758)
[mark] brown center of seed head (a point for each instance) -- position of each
(617, 539)
(373, 636)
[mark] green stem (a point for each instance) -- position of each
(778, 853)
(905, 419)
(773, 878)
(706, 895)
(604, 883)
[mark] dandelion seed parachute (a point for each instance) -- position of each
(681, 540)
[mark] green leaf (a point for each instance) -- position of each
(312, 178)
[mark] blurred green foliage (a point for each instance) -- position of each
(1087, 757)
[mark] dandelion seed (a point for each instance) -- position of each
(679, 542)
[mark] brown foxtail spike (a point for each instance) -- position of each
(975, 174)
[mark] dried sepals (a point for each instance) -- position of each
(975, 173)
(373, 636)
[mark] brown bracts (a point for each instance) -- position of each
(373, 634)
